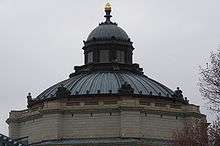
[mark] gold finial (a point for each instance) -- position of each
(108, 7)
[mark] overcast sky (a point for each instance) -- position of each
(41, 42)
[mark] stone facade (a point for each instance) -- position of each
(125, 117)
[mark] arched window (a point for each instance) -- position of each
(104, 56)
(120, 56)
(90, 57)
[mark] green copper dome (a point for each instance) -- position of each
(108, 82)
(108, 32)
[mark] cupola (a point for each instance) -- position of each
(108, 43)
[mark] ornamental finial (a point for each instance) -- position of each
(108, 7)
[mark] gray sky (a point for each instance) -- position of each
(41, 41)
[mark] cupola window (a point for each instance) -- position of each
(120, 56)
(90, 57)
(104, 56)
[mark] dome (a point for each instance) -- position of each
(107, 32)
(116, 75)
(107, 82)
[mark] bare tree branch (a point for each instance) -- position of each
(198, 133)
(209, 82)
(193, 134)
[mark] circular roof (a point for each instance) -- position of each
(107, 32)
(105, 82)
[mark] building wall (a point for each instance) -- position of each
(90, 125)
(45, 127)
(14, 130)
(124, 119)
(165, 125)
(130, 124)
(85, 125)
